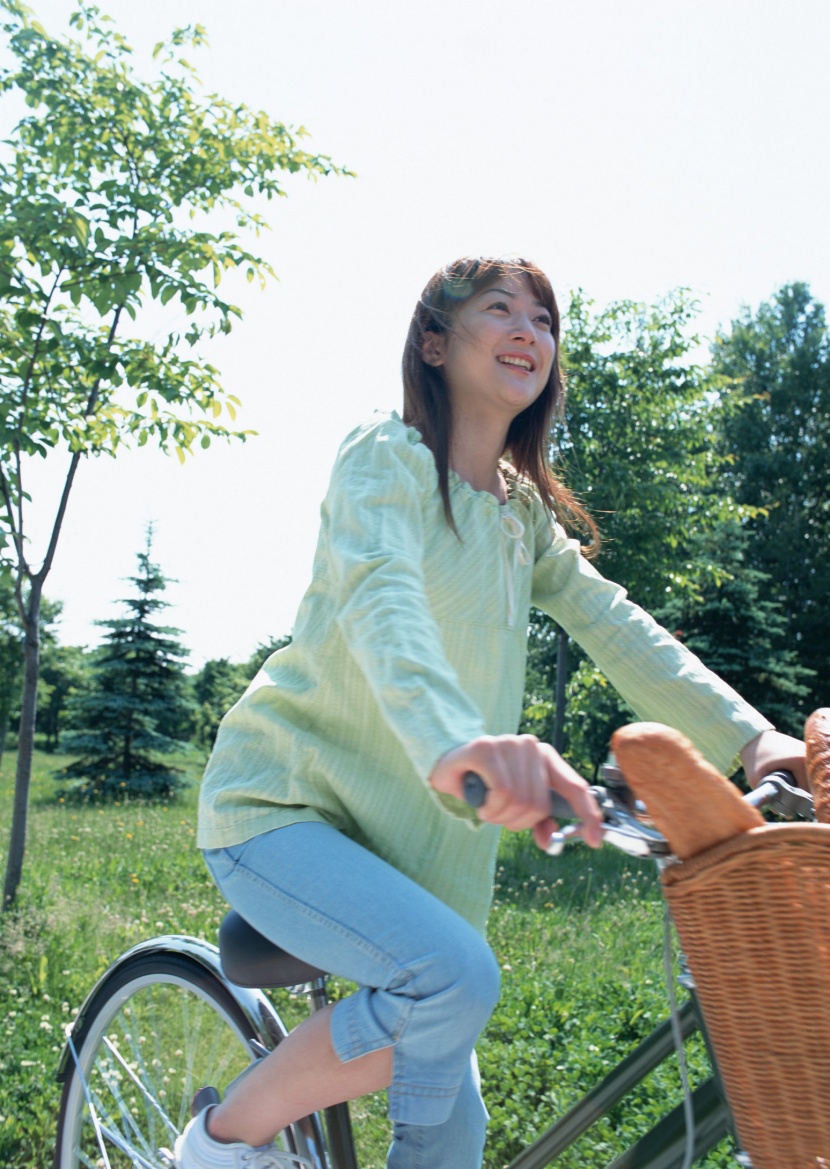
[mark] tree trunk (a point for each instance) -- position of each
(25, 746)
(5, 718)
(561, 683)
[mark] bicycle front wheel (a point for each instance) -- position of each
(161, 1027)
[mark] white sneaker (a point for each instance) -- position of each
(196, 1149)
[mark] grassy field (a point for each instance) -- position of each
(578, 939)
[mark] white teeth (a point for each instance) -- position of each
(522, 362)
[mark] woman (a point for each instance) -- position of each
(331, 814)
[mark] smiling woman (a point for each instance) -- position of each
(331, 813)
(476, 314)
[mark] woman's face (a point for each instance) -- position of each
(497, 355)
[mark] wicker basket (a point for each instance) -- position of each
(753, 915)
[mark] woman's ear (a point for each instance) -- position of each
(433, 348)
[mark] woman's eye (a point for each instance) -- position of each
(500, 305)
(545, 321)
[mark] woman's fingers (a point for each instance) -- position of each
(572, 787)
(519, 773)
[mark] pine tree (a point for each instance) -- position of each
(126, 722)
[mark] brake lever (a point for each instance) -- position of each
(620, 826)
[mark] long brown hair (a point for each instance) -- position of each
(426, 403)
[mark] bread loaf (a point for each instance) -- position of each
(690, 802)
(817, 738)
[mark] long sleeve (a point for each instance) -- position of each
(374, 522)
(655, 673)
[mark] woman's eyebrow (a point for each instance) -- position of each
(490, 291)
(507, 292)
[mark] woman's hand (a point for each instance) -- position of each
(519, 773)
(772, 751)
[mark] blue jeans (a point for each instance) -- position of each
(427, 980)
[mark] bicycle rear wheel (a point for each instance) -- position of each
(160, 1027)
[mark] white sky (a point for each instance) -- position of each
(628, 146)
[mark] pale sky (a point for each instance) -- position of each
(627, 146)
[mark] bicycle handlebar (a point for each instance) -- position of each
(623, 825)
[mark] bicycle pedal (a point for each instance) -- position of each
(204, 1098)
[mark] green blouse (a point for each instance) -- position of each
(409, 642)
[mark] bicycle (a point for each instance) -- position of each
(176, 1013)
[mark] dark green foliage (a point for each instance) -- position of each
(638, 445)
(639, 448)
(64, 672)
(11, 658)
(262, 652)
(775, 434)
(220, 683)
(138, 699)
(736, 625)
(711, 487)
(216, 688)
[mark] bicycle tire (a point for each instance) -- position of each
(155, 1030)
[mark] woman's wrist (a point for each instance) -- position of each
(774, 751)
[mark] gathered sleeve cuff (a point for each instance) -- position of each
(654, 672)
(374, 512)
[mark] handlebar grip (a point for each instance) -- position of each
(475, 794)
(780, 792)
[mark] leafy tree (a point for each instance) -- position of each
(262, 652)
(737, 627)
(775, 430)
(111, 190)
(138, 691)
(638, 447)
(216, 688)
(220, 683)
(64, 672)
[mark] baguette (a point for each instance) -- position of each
(690, 802)
(817, 738)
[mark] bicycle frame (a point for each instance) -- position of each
(663, 1147)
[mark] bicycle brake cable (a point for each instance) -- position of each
(688, 1106)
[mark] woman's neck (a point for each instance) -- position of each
(475, 452)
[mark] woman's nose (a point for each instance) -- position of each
(522, 327)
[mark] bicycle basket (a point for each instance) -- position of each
(753, 916)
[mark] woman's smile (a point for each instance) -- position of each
(498, 354)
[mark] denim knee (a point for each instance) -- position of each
(478, 977)
(461, 978)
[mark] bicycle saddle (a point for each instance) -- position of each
(249, 959)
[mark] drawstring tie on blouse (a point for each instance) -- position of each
(514, 554)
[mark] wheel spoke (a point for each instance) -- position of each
(147, 1095)
(141, 1062)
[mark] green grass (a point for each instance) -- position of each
(578, 939)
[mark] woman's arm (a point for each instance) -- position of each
(373, 519)
(655, 673)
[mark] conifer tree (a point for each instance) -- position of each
(126, 723)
